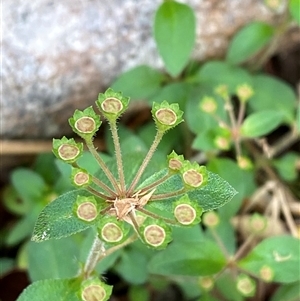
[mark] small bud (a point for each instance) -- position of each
(95, 290)
(258, 223)
(244, 92)
(222, 90)
(86, 208)
(112, 230)
(187, 212)
(244, 163)
(206, 283)
(85, 123)
(276, 5)
(156, 233)
(175, 162)
(266, 273)
(166, 116)
(193, 175)
(112, 104)
(67, 149)
(211, 219)
(222, 143)
(208, 105)
(246, 285)
(80, 177)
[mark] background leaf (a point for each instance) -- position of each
(189, 259)
(51, 290)
(280, 253)
(287, 292)
(294, 7)
(174, 32)
(139, 83)
(248, 41)
(53, 259)
(261, 123)
(270, 92)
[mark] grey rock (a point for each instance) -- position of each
(58, 55)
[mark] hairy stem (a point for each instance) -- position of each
(104, 187)
(116, 141)
(96, 193)
(102, 164)
(96, 252)
(149, 155)
(167, 195)
(156, 216)
(156, 183)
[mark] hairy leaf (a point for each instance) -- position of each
(57, 219)
(51, 290)
(174, 32)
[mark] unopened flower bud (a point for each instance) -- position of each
(206, 283)
(166, 116)
(222, 90)
(156, 233)
(112, 230)
(80, 177)
(187, 212)
(208, 105)
(85, 208)
(266, 273)
(175, 162)
(211, 219)
(112, 104)
(244, 92)
(67, 150)
(246, 285)
(258, 223)
(193, 175)
(85, 123)
(222, 143)
(95, 290)
(244, 163)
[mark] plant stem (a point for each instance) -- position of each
(156, 183)
(116, 141)
(102, 164)
(167, 195)
(96, 193)
(104, 186)
(156, 216)
(220, 243)
(96, 251)
(149, 155)
(243, 247)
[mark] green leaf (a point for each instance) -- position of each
(241, 180)
(48, 259)
(261, 123)
(249, 41)
(188, 259)
(51, 290)
(6, 265)
(176, 92)
(280, 253)
(174, 32)
(294, 7)
(44, 166)
(226, 284)
(24, 227)
(29, 185)
(287, 166)
(214, 73)
(272, 93)
(215, 194)
(139, 83)
(139, 293)
(57, 219)
(287, 292)
(132, 266)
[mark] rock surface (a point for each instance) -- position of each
(58, 55)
